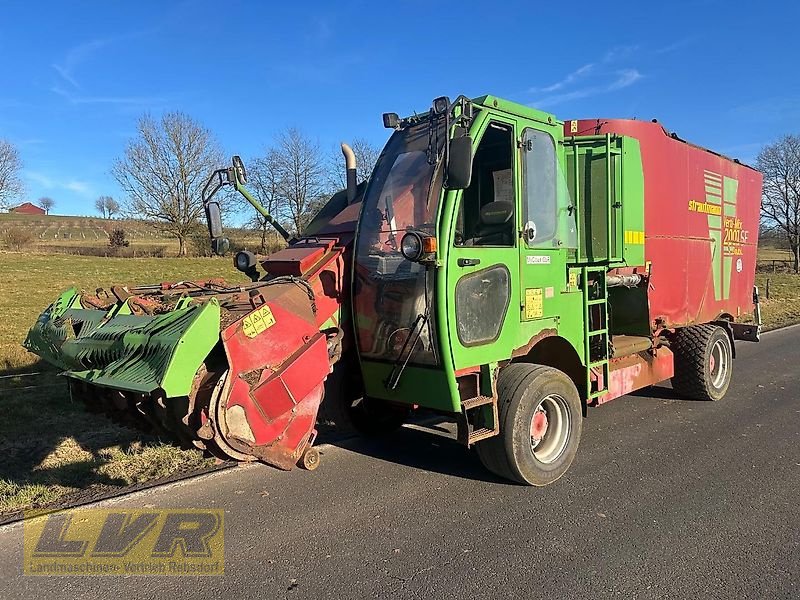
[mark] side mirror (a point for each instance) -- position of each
(214, 219)
(238, 167)
(219, 244)
(459, 164)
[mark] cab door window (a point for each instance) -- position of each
(539, 184)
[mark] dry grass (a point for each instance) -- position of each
(768, 253)
(31, 281)
(783, 306)
(50, 446)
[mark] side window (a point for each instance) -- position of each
(486, 212)
(539, 181)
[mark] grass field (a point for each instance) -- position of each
(52, 447)
(65, 234)
(783, 306)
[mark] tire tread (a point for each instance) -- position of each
(689, 347)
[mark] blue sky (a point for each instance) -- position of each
(75, 76)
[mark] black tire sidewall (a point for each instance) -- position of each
(715, 393)
(520, 413)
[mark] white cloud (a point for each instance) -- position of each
(621, 79)
(74, 57)
(68, 86)
(79, 187)
(676, 45)
(73, 98)
(591, 79)
(49, 183)
(568, 80)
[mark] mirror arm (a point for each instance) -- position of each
(262, 211)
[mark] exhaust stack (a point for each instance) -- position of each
(350, 167)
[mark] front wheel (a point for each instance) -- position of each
(541, 417)
(703, 362)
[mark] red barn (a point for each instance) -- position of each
(28, 209)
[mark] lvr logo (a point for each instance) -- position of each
(125, 541)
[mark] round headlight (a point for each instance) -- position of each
(244, 261)
(411, 246)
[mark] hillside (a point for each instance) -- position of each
(64, 233)
(54, 229)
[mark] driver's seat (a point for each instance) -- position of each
(495, 226)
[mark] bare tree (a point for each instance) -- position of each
(100, 205)
(264, 179)
(366, 156)
(10, 167)
(163, 172)
(112, 206)
(302, 176)
(780, 203)
(106, 206)
(47, 204)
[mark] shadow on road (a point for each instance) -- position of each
(430, 449)
(658, 392)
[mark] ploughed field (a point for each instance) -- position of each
(53, 449)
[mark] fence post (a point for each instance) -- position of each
(773, 266)
(767, 290)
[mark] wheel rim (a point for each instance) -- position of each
(718, 363)
(550, 427)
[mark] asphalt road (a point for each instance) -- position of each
(667, 498)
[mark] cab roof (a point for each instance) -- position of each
(514, 108)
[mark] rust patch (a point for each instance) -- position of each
(525, 350)
(252, 377)
(276, 455)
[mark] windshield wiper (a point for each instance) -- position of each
(416, 332)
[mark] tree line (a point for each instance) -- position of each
(165, 166)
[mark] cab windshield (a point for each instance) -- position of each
(391, 293)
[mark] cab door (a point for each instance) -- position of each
(483, 257)
(547, 226)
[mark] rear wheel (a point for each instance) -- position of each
(703, 362)
(540, 425)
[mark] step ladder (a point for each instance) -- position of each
(596, 337)
(468, 435)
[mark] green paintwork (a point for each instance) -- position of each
(550, 271)
(424, 386)
(119, 350)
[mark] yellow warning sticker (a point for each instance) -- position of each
(258, 321)
(573, 127)
(573, 279)
(534, 305)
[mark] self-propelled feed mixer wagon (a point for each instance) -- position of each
(500, 267)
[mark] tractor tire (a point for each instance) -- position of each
(541, 418)
(703, 362)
